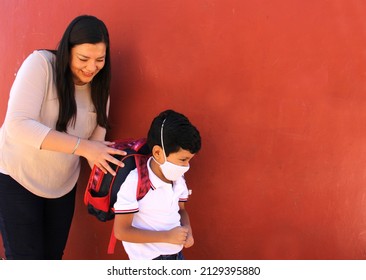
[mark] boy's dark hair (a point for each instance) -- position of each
(178, 133)
(83, 29)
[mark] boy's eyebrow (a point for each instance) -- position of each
(187, 157)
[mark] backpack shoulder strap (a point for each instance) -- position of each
(112, 243)
(144, 183)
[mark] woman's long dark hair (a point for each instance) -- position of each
(83, 29)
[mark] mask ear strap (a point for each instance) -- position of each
(161, 137)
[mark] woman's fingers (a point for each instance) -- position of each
(110, 158)
(105, 165)
(101, 167)
(106, 158)
(109, 169)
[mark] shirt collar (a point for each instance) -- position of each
(155, 180)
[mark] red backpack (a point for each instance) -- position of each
(101, 191)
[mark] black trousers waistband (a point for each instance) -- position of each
(177, 256)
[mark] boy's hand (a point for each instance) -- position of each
(189, 241)
(178, 235)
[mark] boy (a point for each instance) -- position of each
(157, 226)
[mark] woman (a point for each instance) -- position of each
(57, 112)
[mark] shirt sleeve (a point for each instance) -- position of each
(183, 189)
(25, 101)
(126, 197)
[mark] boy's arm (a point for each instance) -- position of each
(123, 230)
(184, 221)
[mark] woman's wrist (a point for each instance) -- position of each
(76, 146)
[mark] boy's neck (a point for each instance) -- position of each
(157, 171)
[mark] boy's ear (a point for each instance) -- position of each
(158, 154)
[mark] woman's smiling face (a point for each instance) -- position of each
(86, 61)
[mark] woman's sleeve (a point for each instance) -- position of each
(26, 97)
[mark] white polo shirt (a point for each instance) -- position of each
(157, 211)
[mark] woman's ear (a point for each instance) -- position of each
(158, 154)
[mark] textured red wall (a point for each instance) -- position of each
(278, 91)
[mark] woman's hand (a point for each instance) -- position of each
(100, 153)
(97, 152)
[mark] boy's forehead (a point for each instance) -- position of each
(183, 153)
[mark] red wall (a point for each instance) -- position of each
(278, 91)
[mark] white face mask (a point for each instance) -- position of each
(170, 170)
